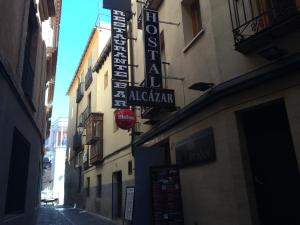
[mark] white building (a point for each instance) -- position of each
(54, 176)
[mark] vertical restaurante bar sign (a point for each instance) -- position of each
(119, 50)
(153, 75)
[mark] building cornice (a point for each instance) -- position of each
(104, 54)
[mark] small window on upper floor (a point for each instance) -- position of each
(191, 18)
(105, 80)
(90, 62)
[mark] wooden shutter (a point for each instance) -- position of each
(298, 5)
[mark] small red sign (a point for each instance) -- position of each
(125, 118)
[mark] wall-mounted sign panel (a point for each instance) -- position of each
(196, 149)
(153, 73)
(123, 5)
(119, 94)
(151, 97)
(125, 119)
(166, 196)
(129, 199)
(119, 51)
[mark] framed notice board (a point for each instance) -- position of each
(166, 196)
(128, 209)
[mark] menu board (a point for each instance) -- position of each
(128, 211)
(166, 196)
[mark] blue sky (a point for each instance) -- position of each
(77, 20)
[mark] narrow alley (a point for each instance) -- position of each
(49, 215)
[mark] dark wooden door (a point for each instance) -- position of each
(274, 166)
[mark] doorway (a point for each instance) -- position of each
(117, 195)
(273, 164)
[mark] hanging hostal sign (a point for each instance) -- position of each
(119, 51)
(152, 95)
(153, 73)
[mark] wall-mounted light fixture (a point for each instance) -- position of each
(201, 86)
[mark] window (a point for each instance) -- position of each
(191, 17)
(30, 53)
(18, 173)
(130, 167)
(58, 142)
(105, 80)
(89, 103)
(64, 138)
(79, 179)
(99, 186)
(87, 186)
(195, 16)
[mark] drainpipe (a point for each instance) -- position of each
(77, 108)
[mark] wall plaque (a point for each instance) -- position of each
(195, 149)
(166, 196)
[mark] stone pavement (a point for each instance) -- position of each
(49, 215)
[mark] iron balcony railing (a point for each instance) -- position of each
(252, 17)
(80, 92)
(83, 116)
(86, 113)
(88, 78)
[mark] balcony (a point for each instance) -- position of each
(80, 92)
(77, 143)
(88, 78)
(96, 153)
(46, 9)
(256, 23)
(94, 128)
(81, 120)
(150, 4)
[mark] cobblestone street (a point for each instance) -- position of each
(49, 215)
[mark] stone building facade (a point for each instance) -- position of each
(27, 72)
